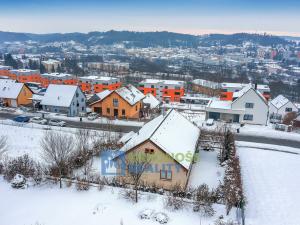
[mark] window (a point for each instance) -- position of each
(177, 88)
(82, 100)
(149, 151)
(166, 175)
(248, 117)
(249, 105)
(288, 109)
(177, 93)
(116, 102)
(136, 108)
(152, 86)
(82, 108)
(166, 87)
(123, 112)
(77, 94)
(108, 110)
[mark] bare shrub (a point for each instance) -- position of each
(3, 145)
(128, 194)
(57, 149)
(174, 203)
(82, 185)
(203, 201)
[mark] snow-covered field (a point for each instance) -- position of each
(49, 205)
(271, 182)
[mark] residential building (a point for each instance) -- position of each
(65, 99)
(125, 102)
(25, 75)
(206, 87)
(279, 107)
(57, 78)
(163, 90)
(96, 84)
(247, 106)
(14, 94)
(51, 65)
(5, 71)
(170, 141)
(228, 89)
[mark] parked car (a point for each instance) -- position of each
(38, 120)
(92, 116)
(210, 122)
(59, 123)
(21, 119)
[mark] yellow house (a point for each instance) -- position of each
(170, 141)
(14, 94)
(125, 102)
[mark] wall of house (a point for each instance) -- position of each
(24, 95)
(259, 111)
(131, 112)
(282, 111)
(160, 161)
(78, 104)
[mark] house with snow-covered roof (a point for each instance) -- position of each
(64, 99)
(247, 106)
(13, 94)
(279, 107)
(125, 102)
(170, 141)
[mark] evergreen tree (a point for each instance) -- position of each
(10, 61)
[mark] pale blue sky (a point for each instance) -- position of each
(186, 16)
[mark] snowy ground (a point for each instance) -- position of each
(49, 205)
(25, 138)
(271, 182)
(206, 171)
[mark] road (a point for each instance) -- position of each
(121, 128)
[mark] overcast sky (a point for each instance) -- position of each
(184, 16)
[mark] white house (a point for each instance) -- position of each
(279, 107)
(248, 106)
(65, 99)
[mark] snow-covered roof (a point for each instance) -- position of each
(59, 95)
(173, 133)
(218, 104)
(163, 82)
(126, 137)
(151, 100)
(130, 94)
(279, 101)
(242, 92)
(10, 89)
(103, 94)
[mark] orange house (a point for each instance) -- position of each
(125, 102)
(14, 94)
(5, 71)
(25, 75)
(96, 84)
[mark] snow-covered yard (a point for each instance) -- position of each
(271, 182)
(25, 138)
(206, 171)
(49, 205)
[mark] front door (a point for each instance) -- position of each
(236, 118)
(115, 112)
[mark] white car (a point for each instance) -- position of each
(59, 123)
(38, 120)
(92, 116)
(210, 122)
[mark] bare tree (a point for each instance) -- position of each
(57, 149)
(3, 145)
(137, 163)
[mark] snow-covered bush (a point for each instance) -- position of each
(128, 194)
(22, 165)
(19, 181)
(174, 203)
(162, 218)
(146, 214)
